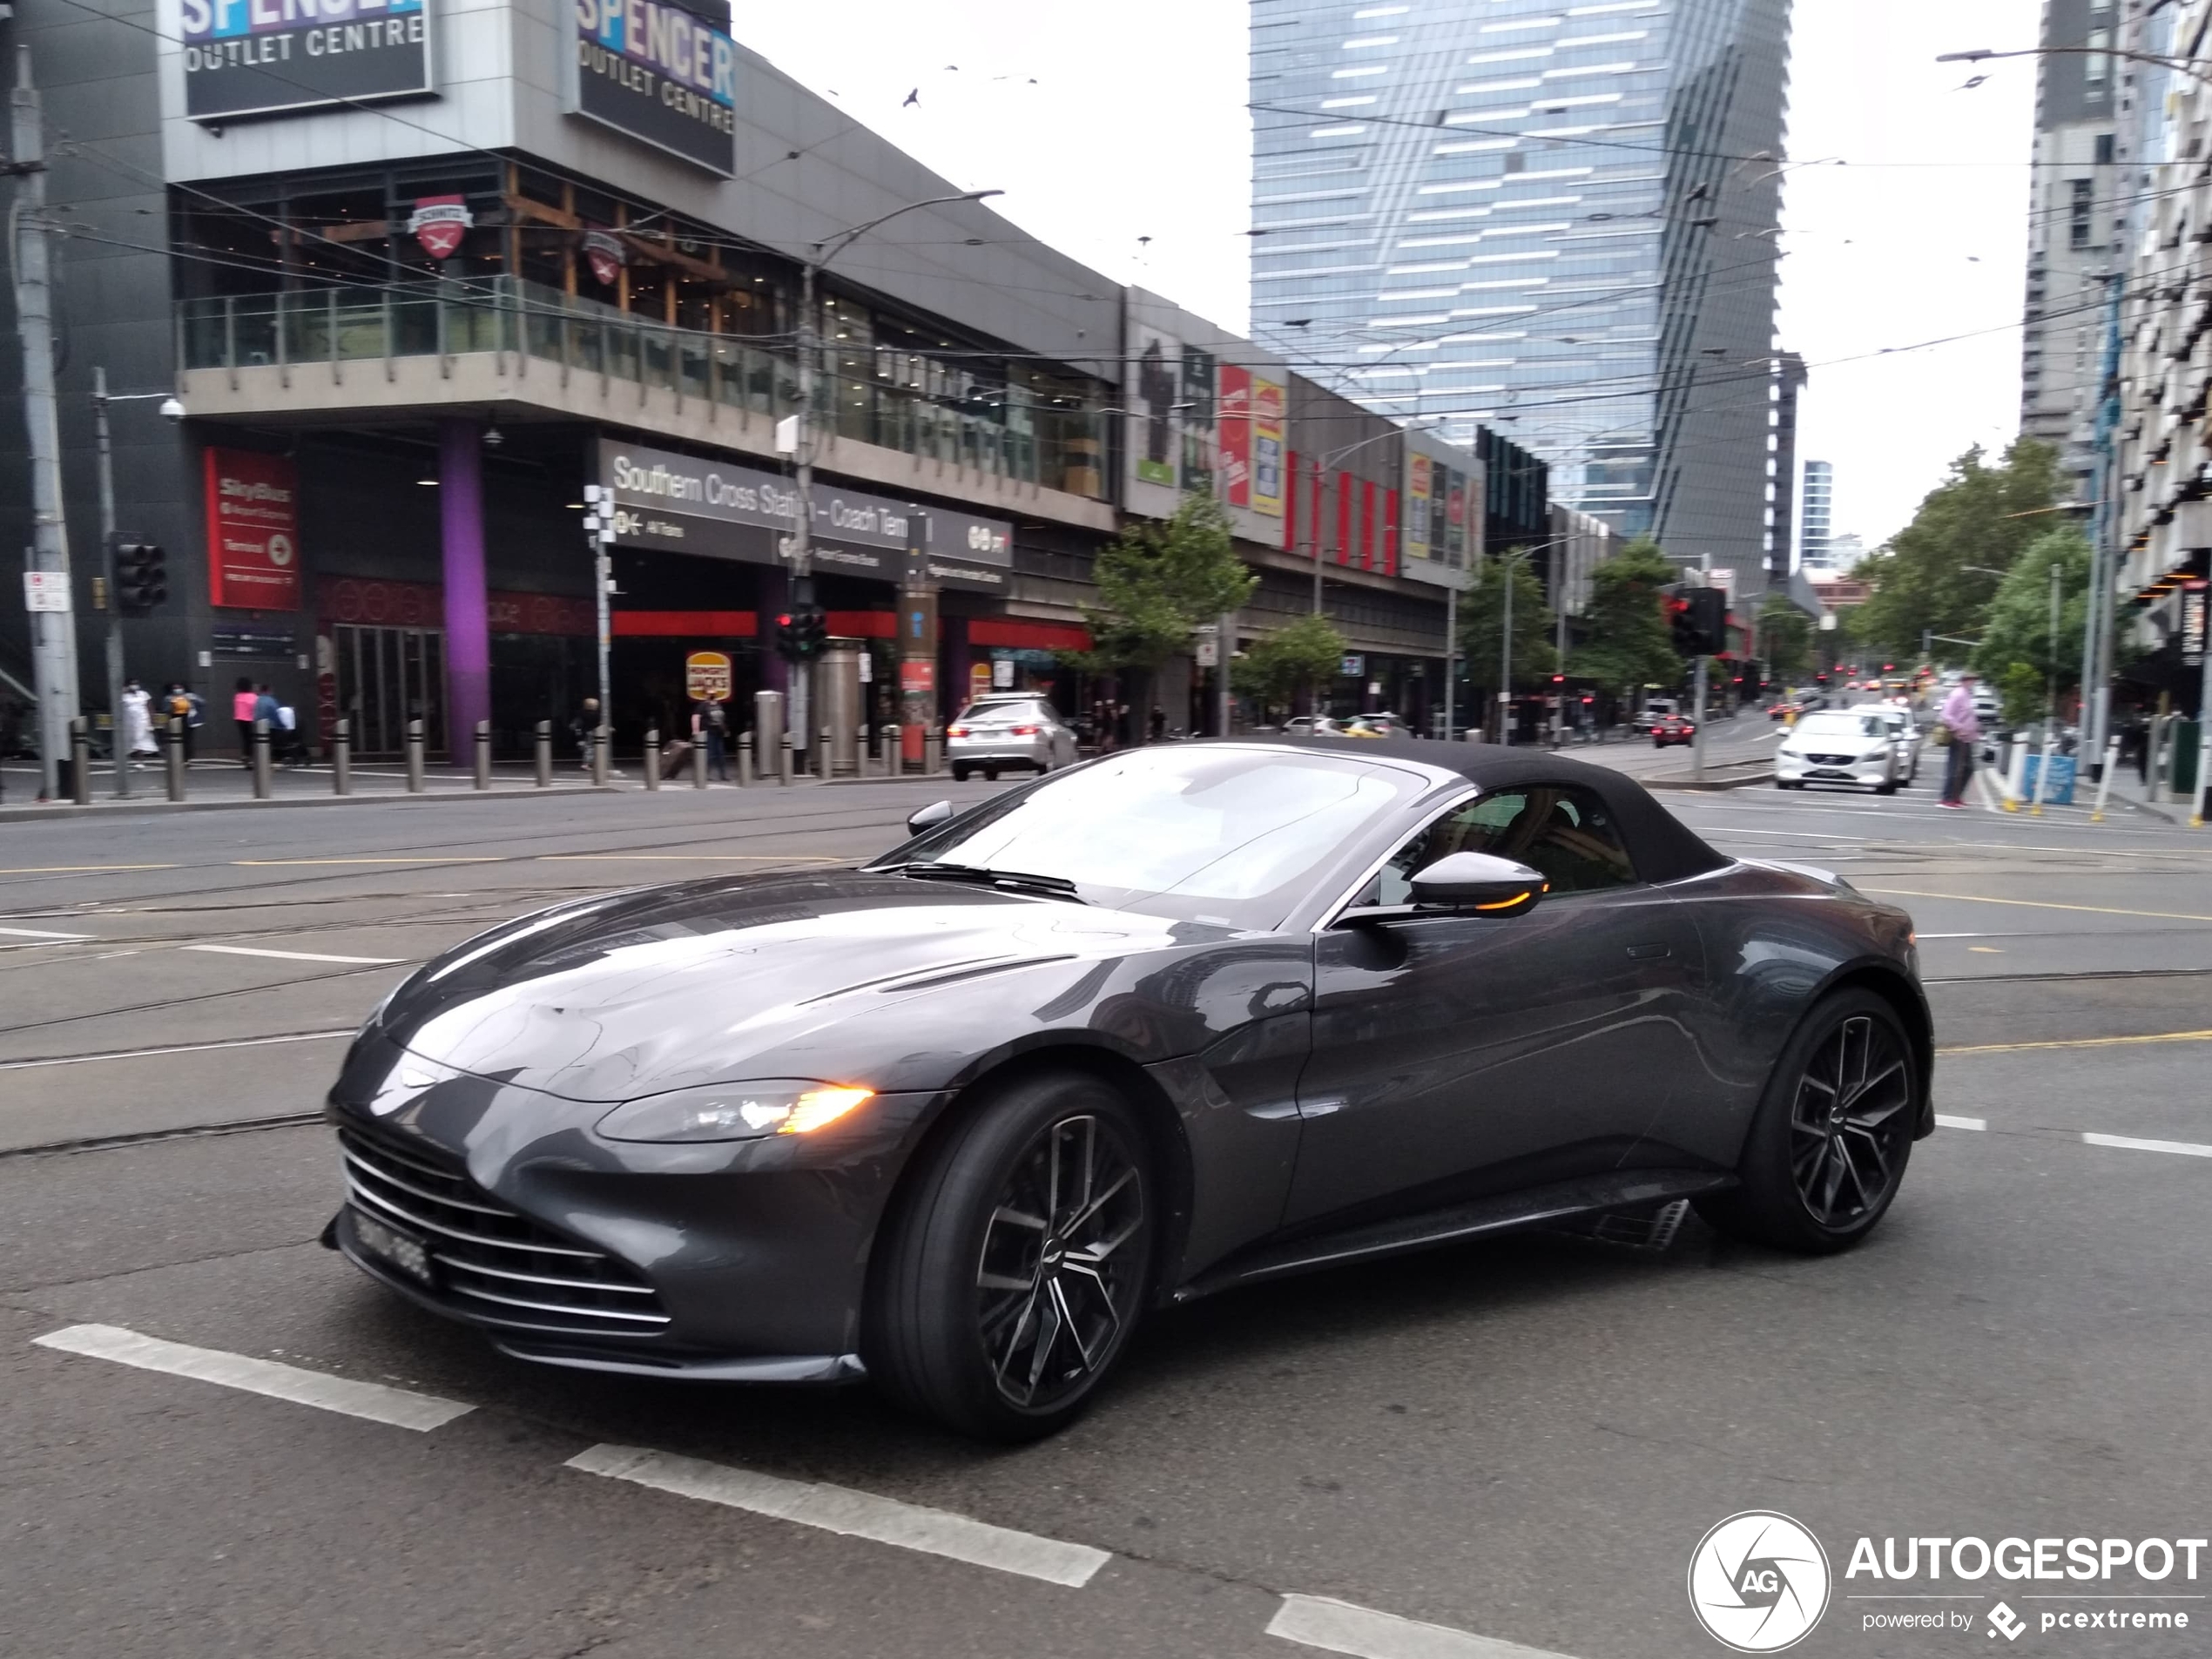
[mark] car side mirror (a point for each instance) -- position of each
(930, 816)
(1479, 882)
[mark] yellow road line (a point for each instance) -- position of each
(2034, 904)
(73, 869)
(687, 858)
(2082, 1042)
(263, 863)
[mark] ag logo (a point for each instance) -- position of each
(1758, 1582)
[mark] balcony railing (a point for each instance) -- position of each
(1018, 439)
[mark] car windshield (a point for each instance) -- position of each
(1001, 710)
(1842, 726)
(1228, 835)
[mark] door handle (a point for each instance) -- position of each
(1647, 953)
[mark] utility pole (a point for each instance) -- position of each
(2051, 677)
(122, 761)
(1451, 651)
(1504, 655)
(53, 632)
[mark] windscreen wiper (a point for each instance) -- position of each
(1052, 887)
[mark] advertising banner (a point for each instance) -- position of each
(708, 674)
(1455, 517)
(661, 73)
(1235, 436)
(1413, 536)
(679, 503)
(258, 57)
(1270, 402)
(1199, 440)
(253, 530)
(1153, 411)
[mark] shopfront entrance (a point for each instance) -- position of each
(387, 677)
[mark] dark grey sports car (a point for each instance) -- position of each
(1175, 1020)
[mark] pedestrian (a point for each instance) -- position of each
(243, 702)
(582, 724)
(1157, 725)
(710, 726)
(135, 737)
(180, 701)
(1964, 730)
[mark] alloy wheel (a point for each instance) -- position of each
(1850, 1124)
(1063, 1262)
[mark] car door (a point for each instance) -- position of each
(1459, 1054)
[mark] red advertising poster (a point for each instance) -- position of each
(1235, 414)
(253, 530)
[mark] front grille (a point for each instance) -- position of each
(1831, 761)
(494, 1265)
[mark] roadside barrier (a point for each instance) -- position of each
(342, 758)
(543, 753)
(415, 757)
(483, 754)
(2104, 780)
(652, 756)
(261, 760)
(173, 755)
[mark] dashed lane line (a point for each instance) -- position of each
(296, 955)
(2078, 1043)
(83, 869)
(2130, 1143)
(379, 1402)
(41, 933)
(1945, 1120)
(1343, 1627)
(856, 1515)
(2033, 904)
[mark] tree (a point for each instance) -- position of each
(1300, 654)
(1483, 611)
(2016, 646)
(1785, 637)
(1624, 640)
(1156, 582)
(1979, 515)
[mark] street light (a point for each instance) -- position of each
(174, 412)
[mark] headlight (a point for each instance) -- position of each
(1882, 753)
(732, 1111)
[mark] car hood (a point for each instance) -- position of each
(703, 982)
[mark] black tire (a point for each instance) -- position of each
(959, 773)
(1813, 1181)
(953, 1331)
(1783, 783)
(1889, 788)
(990, 774)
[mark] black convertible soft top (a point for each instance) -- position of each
(1664, 848)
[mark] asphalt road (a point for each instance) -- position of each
(1522, 1440)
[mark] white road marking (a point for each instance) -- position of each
(1945, 1119)
(294, 955)
(1340, 1627)
(188, 1048)
(38, 933)
(401, 1407)
(2130, 1143)
(856, 1515)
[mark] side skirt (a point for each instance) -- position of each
(1505, 1213)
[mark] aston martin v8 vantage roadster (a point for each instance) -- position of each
(1148, 1028)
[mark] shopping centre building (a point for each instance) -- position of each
(422, 273)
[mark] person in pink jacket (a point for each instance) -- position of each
(1958, 717)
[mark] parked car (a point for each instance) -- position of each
(1375, 726)
(1839, 746)
(1673, 729)
(1184, 1019)
(1309, 725)
(997, 733)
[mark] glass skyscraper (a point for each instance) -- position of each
(1555, 220)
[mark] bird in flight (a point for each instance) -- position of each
(913, 96)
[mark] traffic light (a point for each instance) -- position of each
(141, 578)
(1697, 619)
(800, 633)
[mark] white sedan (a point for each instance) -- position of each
(1850, 746)
(1905, 731)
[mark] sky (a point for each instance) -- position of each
(1129, 147)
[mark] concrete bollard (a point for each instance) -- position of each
(173, 755)
(823, 765)
(2204, 768)
(933, 750)
(652, 756)
(415, 757)
(894, 738)
(2104, 780)
(783, 766)
(2015, 775)
(261, 760)
(542, 747)
(699, 758)
(745, 762)
(483, 754)
(603, 739)
(2042, 774)
(342, 758)
(80, 760)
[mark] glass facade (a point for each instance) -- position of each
(1554, 221)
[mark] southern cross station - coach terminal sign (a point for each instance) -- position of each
(259, 57)
(666, 74)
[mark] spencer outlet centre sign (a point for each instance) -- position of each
(661, 73)
(253, 530)
(678, 504)
(259, 57)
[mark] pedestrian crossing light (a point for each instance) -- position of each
(141, 578)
